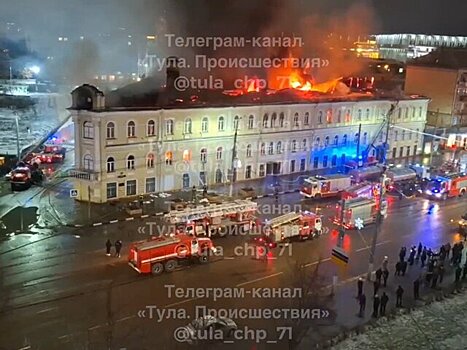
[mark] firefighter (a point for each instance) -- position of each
(118, 248)
(108, 246)
(384, 301)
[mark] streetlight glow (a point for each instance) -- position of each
(35, 69)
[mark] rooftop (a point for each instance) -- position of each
(448, 58)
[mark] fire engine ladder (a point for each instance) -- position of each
(284, 219)
(214, 210)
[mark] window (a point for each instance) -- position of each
(409, 135)
(292, 165)
(325, 161)
(110, 165)
(130, 162)
(302, 164)
(168, 158)
(399, 115)
(248, 172)
(204, 125)
(317, 142)
(406, 115)
(262, 149)
(110, 130)
(273, 120)
(202, 178)
(248, 151)
(131, 129)
(186, 181)
(394, 152)
(251, 122)
(420, 112)
(306, 118)
(151, 128)
(315, 162)
(294, 146)
(329, 116)
(339, 116)
(295, 120)
(336, 140)
(88, 162)
(88, 130)
(169, 127)
(359, 115)
(367, 114)
(131, 188)
(396, 135)
(348, 116)
(186, 155)
(344, 139)
(401, 152)
(271, 148)
(150, 185)
(150, 160)
(365, 138)
(334, 160)
(320, 117)
(187, 126)
(304, 144)
(265, 120)
(236, 122)
(111, 190)
(281, 120)
(219, 153)
(279, 147)
(326, 141)
(261, 170)
(218, 176)
(220, 123)
(203, 155)
(356, 138)
(408, 151)
(415, 150)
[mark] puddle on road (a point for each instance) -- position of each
(11, 222)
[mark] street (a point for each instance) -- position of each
(64, 290)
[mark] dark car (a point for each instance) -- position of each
(209, 328)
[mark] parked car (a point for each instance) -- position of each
(209, 328)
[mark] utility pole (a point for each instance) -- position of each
(340, 242)
(18, 151)
(89, 202)
(233, 170)
(433, 138)
(379, 215)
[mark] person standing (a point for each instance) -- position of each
(416, 288)
(423, 257)
(385, 277)
(379, 274)
(108, 246)
(434, 280)
(402, 253)
(404, 267)
(441, 273)
(412, 256)
(118, 248)
(362, 302)
(398, 269)
(458, 273)
(448, 250)
(375, 287)
(399, 294)
(385, 263)
(384, 301)
(376, 303)
(419, 250)
(359, 287)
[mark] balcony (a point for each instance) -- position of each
(86, 175)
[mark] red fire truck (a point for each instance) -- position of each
(159, 254)
(446, 186)
(356, 210)
(214, 219)
(364, 189)
(369, 173)
(325, 186)
(21, 178)
(301, 225)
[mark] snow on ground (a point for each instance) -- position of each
(440, 325)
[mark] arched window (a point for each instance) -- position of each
(339, 116)
(420, 111)
(186, 155)
(88, 162)
(168, 158)
(348, 116)
(367, 114)
(344, 139)
(279, 147)
(396, 135)
(320, 117)
(88, 130)
(365, 138)
(306, 118)
(236, 122)
(187, 129)
(169, 127)
(273, 120)
(110, 130)
(151, 128)
(271, 148)
(220, 123)
(399, 115)
(356, 138)
(403, 135)
(204, 125)
(248, 151)
(265, 120)
(336, 140)
(329, 116)
(295, 120)
(326, 141)
(251, 122)
(219, 153)
(262, 149)
(130, 162)
(293, 146)
(203, 155)
(317, 142)
(281, 119)
(131, 129)
(150, 160)
(359, 115)
(110, 164)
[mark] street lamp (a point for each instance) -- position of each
(236, 163)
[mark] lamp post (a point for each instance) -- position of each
(235, 161)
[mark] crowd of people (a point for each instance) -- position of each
(433, 266)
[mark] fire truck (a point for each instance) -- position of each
(325, 186)
(21, 178)
(369, 173)
(364, 189)
(301, 225)
(50, 154)
(363, 209)
(446, 186)
(214, 219)
(159, 254)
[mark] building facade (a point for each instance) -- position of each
(125, 152)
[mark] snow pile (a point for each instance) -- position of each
(439, 326)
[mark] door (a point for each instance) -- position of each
(186, 181)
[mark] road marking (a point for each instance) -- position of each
(25, 347)
(125, 318)
(113, 221)
(181, 302)
(377, 244)
(316, 262)
(64, 336)
(129, 219)
(97, 224)
(46, 310)
(95, 327)
(259, 279)
(229, 257)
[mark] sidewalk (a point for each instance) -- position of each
(345, 306)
